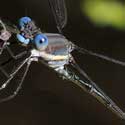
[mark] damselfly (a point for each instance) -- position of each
(53, 50)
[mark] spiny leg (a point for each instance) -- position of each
(20, 83)
(91, 89)
(13, 57)
(11, 76)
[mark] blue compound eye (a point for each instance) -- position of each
(41, 41)
(23, 21)
(23, 39)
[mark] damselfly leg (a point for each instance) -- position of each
(23, 65)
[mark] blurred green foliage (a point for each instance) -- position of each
(105, 12)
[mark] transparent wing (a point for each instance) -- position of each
(60, 13)
(85, 51)
(91, 87)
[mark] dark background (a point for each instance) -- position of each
(46, 99)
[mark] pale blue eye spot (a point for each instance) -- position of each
(23, 21)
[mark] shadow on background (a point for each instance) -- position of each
(46, 99)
